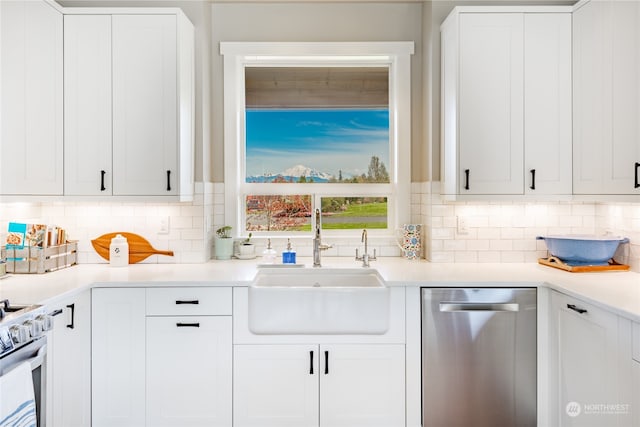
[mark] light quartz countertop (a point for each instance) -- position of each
(616, 291)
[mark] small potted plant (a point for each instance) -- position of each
(223, 243)
(246, 249)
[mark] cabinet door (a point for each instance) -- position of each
(31, 135)
(196, 389)
(118, 357)
(606, 99)
(620, 158)
(362, 385)
(635, 403)
(87, 104)
(491, 103)
(145, 129)
(275, 386)
(547, 103)
(69, 363)
(591, 105)
(589, 369)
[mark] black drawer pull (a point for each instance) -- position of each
(55, 312)
(533, 179)
(326, 362)
(187, 325)
(102, 174)
(311, 362)
(466, 179)
(576, 309)
(168, 180)
(73, 315)
(195, 301)
(637, 181)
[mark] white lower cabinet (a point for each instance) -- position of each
(69, 363)
(188, 369)
(118, 357)
(159, 369)
(275, 385)
(635, 403)
(319, 385)
(635, 376)
(590, 370)
(362, 385)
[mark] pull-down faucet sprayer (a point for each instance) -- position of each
(317, 242)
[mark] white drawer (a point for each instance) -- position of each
(188, 301)
(636, 341)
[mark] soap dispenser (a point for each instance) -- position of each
(289, 256)
(269, 255)
(119, 251)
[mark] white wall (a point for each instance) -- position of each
(289, 21)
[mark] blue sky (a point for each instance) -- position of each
(325, 140)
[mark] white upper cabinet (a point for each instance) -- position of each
(31, 108)
(491, 103)
(129, 100)
(547, 103)
(145, 104)
(606, 38)
(87, 102)
(506, 102)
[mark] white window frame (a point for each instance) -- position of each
(395, 55)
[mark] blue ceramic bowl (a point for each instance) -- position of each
(583, 249)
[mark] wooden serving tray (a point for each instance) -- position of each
(558, 263)
(139, 247)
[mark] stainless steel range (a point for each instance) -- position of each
(23, 339)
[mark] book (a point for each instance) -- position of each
(21, 235)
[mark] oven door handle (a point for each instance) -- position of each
(38, 359)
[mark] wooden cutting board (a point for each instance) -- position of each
(139, 247)
(557, 263)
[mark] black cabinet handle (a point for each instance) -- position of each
(102, 174)
(637, 181)
(311, 362)
(73, 315)
(195, 301)
(187, 325)
(326, 362)
(577, 309)
(168, 180)
(466, 179)
(533, 179)
(55, 312)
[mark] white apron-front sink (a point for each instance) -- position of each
(318, 301)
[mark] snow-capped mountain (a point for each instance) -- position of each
(293, 174)
(301, 170)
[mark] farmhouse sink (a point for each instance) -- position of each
(318, 301)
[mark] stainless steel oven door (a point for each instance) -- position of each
(36, 354)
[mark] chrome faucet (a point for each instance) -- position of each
(365, 258)
(317, 243)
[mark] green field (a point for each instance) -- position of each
(358, 216)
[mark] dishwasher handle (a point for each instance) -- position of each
(478, 306)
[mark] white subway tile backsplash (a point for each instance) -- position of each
(498, 231)
(489, 256)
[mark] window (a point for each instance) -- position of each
(316, 126)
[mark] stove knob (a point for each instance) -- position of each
(19, 333)
(35, 327)
(46, 320)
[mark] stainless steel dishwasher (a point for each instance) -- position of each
(479, 357)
